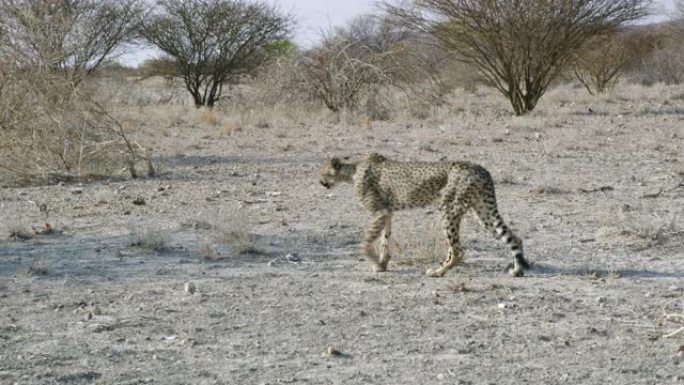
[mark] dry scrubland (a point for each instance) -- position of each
(233, 266)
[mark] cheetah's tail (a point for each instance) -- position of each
(505, 234)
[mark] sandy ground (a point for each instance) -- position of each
(239, 268)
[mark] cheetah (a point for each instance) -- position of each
(384, 186)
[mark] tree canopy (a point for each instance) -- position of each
(212, 42)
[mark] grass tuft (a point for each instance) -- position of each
(149, 237)
(18, 231)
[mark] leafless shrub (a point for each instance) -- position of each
(427, 74)
(66, 39)
(603, 59)
(665, 65)
(367, 70)
(65, 139)
(52, 128)
(353, 66)
(277, 82)
(519, 47)
(13, 98)
(660, 54)
(341, 77)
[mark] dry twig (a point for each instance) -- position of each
(671, 317)
(664, 188)
(674, 333)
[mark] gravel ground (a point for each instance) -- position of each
(236, 267)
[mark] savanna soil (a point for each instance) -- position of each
(239, 268)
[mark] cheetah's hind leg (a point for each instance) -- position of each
(452, 223)
(488, 214)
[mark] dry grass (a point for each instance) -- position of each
(414, 244)
(38, 267)
(149, 237)
(18, 231)
(208, 252)
(227, 225)
(642, 225)
(234, 231)
(652, 229)
(209, 117)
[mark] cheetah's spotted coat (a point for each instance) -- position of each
(384, 186)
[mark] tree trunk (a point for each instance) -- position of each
(195, 92)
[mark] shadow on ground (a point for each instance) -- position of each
(544, 269)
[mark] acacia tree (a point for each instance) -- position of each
(518, 46)
(212, 42)
(68, 38)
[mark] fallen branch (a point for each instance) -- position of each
(134, 150)
(672, 316)
(664, 190)
(598, 189)
(674, 333)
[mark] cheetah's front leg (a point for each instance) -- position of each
(376, 225)
(384, 242)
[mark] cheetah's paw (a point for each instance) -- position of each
(515, 271)
(378, 268)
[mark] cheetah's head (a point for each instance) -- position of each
(330, 172)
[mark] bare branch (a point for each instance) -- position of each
(67, 38)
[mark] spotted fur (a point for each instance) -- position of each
(384, 186)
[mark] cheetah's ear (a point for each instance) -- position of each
(335, 163)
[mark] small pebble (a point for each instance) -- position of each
(331, 351)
